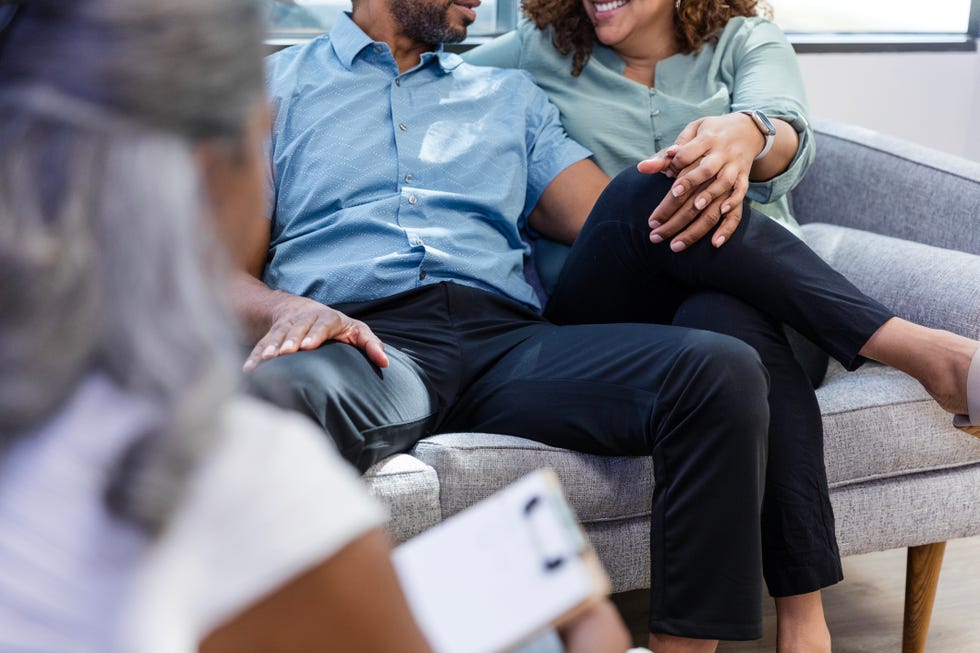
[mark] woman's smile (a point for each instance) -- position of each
(604, 10)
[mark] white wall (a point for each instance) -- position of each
(929, 98)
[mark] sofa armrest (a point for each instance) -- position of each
(866, 180)
(410, 490)
(934, 287)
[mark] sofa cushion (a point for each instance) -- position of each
(410, 490)
(907, 511)
(472, 466)
(880, 423)
(934, 287)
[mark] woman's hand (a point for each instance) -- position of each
(711, 163)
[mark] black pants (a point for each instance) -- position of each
(466, 360)
(697, 402)
(763, 278)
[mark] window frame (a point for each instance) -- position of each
(855, 42)
(803, 42)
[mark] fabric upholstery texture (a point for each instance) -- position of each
(410, 489)
(928, 285)
(870, 181)
(879, 515)
(910, 510)
(879, 423)
(472, 466)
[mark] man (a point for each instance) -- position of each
(401, 180)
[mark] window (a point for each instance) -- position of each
(879, 25)
(814, 25)
(874, 16)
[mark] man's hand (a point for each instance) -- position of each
(711, 161)
(299, 324)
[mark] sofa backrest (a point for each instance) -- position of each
(866, 180)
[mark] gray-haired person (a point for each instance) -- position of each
(144, 506)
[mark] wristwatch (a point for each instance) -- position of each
(765, 126)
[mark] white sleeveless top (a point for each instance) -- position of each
(272, 500)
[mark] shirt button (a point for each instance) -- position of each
(398, 82)
(409, 179)
(402, 126)
(422, 275)
(378, 49)
(412, 199)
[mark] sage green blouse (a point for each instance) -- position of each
(751, 66)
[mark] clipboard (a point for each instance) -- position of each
(502, 571)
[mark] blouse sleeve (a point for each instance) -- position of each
(272, 500)
(502, 52)
(767, 76)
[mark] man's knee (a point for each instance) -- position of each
(369, 412)
(328, 373)
(730, 377)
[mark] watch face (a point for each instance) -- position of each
(763, 121)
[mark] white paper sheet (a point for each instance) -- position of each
(497, 573)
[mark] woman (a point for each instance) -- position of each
(684, 78)
(144, 505)
(649, 74)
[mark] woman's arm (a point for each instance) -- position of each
(715, 164)
(768, 77)
(349, 602)
(599, 629)
(353, 602)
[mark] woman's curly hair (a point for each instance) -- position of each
(695, 23)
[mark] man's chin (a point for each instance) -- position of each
(456, 34)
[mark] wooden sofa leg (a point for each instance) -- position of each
(921, 579)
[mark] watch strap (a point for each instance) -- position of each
(765, 126)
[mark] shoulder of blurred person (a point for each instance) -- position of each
(272, 500)
(252, 517)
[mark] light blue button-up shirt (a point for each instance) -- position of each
(383, 182)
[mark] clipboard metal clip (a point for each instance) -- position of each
(553, 530)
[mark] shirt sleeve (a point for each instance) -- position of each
(270, 182)
(272, 500)
(275, 83)
(502, 52)
(549, 148)
(768, 77)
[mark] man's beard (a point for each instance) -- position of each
(426, 21)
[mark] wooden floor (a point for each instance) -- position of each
(865, 611)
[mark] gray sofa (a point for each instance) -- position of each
(903, 223)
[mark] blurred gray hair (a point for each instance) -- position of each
(107, 262)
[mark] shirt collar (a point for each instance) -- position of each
(349, 40)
